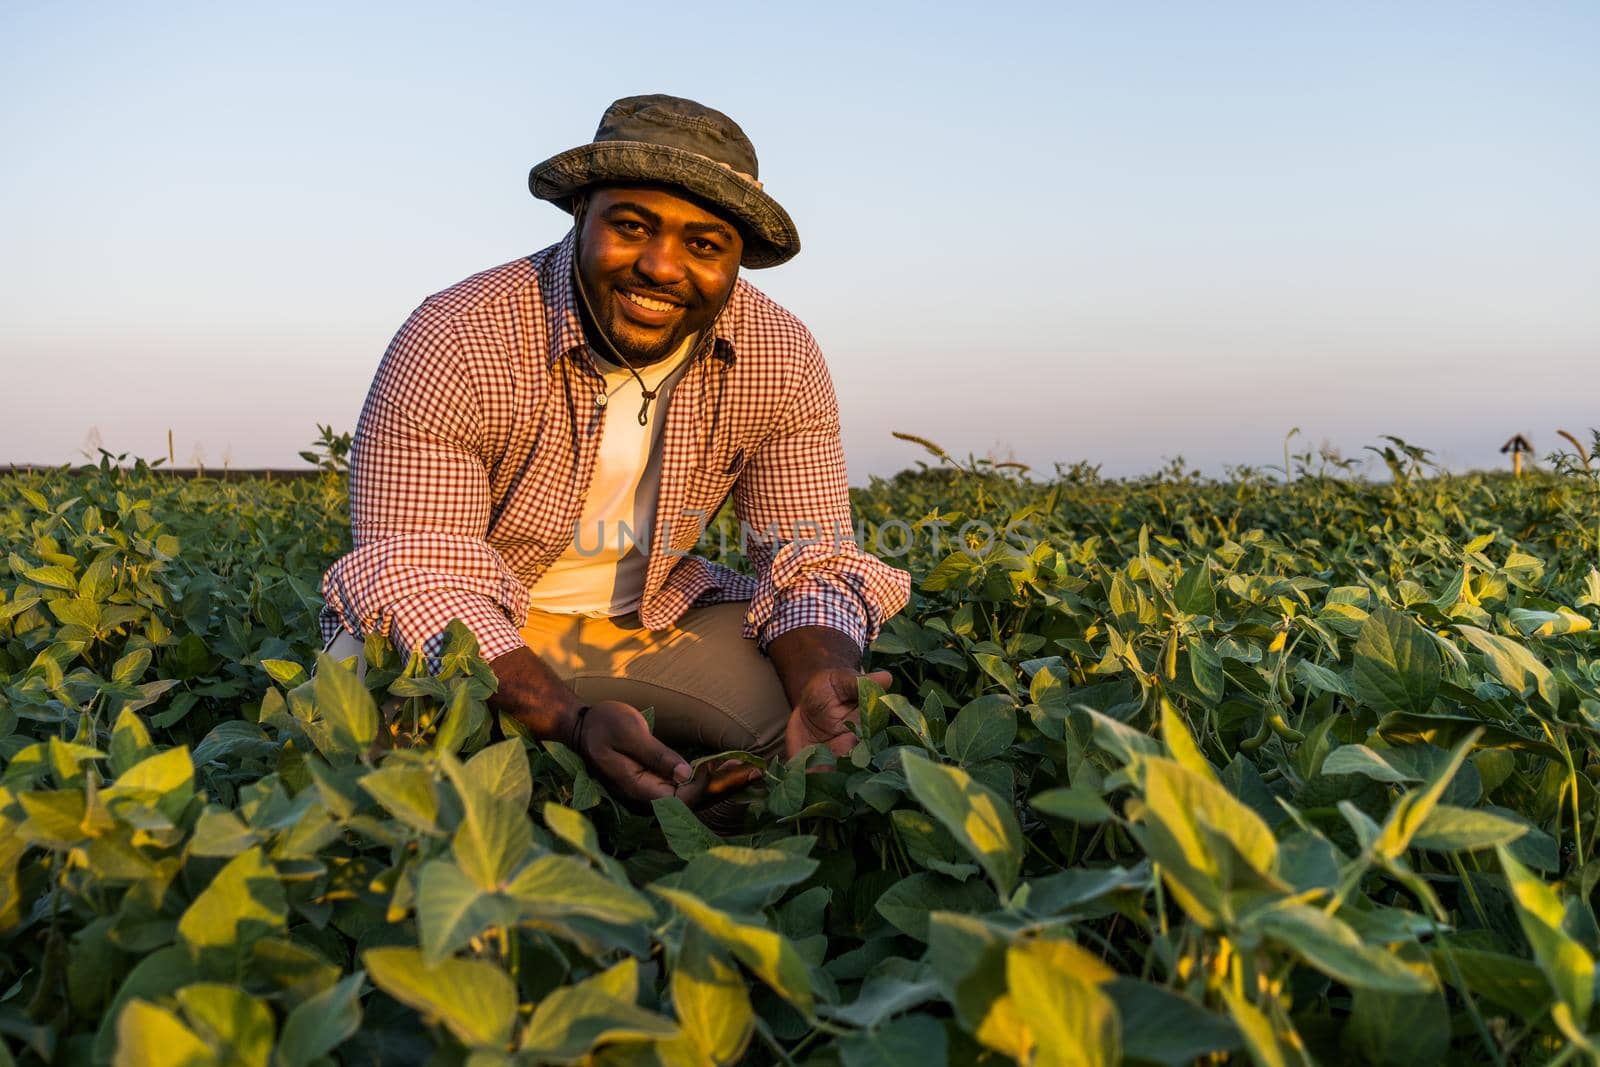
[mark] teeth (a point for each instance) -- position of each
(646, 302)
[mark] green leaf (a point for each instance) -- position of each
(474, 999)
(1161, 1026)
(553, 886)
(229, 1018)
(452, 909)
(766, 952)
(1567, 965)
(1409, 813)
(928, 844)
(130, 667)
(1057, 986)
(98, 580)
(502, 770)
(910, 903)
(1332, 947)
(710, 999)
(242, 904)
(910, 1041)
(983, 729)
(53, 576)
(1511, 982)
(967, 957)
(286, 672)
(346, 706)
(130, 741)
(1319, 678)
(1206, 841)
(980, 821)
(152, 1036)
(574, 1019)
(1398, 1031)
(1452, 829)
(1359, 759)
(1548, 623)
(1193, 592)
(1075, 804)
(407, 792)
(1180, 742)
(741, 879)
(1267, 1047)
(686, 835)
(164, 782)
(1395, 665)
(220, 832)
(321, 1023)
(1205, 668)
(495, 832)
(1513, 665)
(895, 986)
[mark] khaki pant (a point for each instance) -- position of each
(710, 687)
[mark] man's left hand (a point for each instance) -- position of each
(823, 710)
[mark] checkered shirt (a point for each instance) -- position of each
(478, 441)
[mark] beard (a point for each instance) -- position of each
(639, 345)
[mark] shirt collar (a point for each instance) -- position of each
(566, 327)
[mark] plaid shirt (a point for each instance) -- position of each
(478, 441)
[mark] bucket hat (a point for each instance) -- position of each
(660, 138)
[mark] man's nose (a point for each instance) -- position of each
(661, 261)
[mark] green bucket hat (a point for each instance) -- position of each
(668, 139)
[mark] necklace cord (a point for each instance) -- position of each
(594, 320)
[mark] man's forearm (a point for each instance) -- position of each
(531, 693)
(799, 654)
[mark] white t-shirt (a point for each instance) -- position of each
(601, 573)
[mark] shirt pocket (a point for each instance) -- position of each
(709, 487)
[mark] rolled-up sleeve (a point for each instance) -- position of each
(420, 506)
(794, 497)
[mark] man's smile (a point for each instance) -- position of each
(647, 310)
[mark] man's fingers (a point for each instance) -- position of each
(653, 756)
(882, 678)
(709, 783)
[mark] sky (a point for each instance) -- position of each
(1112, 233)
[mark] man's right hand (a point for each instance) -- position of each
(616, 742)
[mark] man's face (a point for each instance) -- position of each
(657, 267)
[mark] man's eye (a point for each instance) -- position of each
(701, 245)
(628, 226)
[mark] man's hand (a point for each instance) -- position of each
(819, 667)
(616, 742)
(824, 710)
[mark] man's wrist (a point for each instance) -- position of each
(531, 693)
(799, 655)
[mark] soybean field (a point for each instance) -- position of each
(1293, 767)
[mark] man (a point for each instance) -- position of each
(543, 440)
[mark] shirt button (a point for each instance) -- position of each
(600, 400)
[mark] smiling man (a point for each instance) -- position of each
(543, 442)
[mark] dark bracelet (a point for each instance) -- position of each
(577, 729)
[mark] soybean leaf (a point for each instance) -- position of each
(710, 999)
(321, 1023)
(1567, 965)
(980, 821)
(766, 952)
(912, 1041)
(474, 999)
(981, 730)
(1395, 664)
(1332, 947)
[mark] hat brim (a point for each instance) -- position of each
(770, 236)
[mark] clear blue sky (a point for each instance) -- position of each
(1113, 232)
